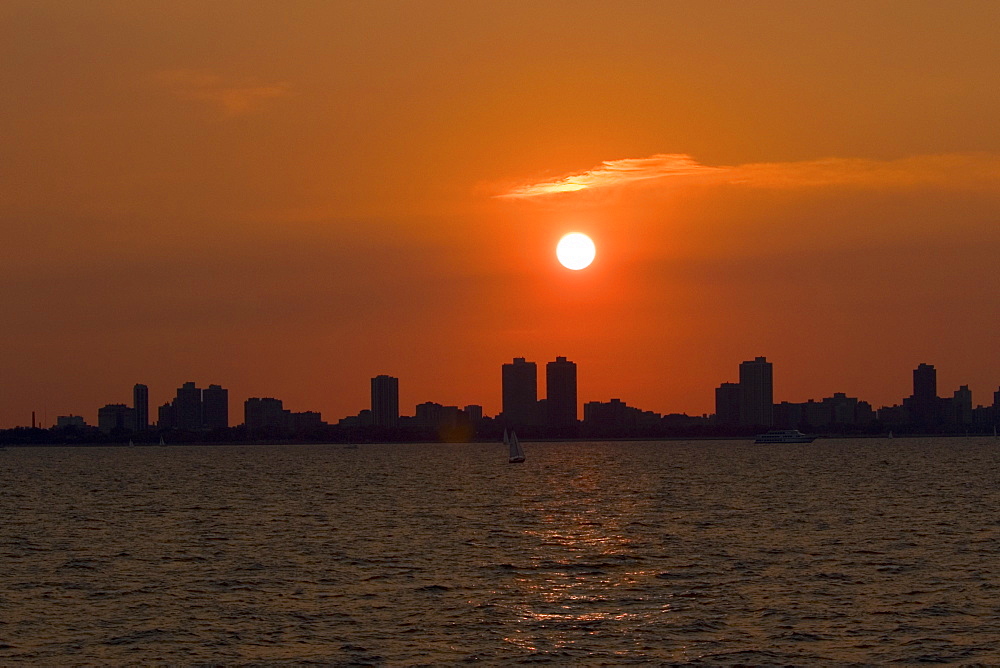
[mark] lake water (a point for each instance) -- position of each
(708, 553)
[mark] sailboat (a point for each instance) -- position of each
(130, 443)
(161, 441)
(514, 446)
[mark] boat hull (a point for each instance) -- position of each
(804, 439)
(784, 436)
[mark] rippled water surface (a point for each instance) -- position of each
(842, 551)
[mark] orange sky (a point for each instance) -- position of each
(289, 198)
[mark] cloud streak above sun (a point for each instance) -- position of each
(979, 171)
(620, 172)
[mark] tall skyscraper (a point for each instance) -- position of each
(385, 401)
(560, 392)
(925, 383)
(520, 393)
(187, 407)
(140, 403)
(215, 407)
(924, 404)
(756, 393)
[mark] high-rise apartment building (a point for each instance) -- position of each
(727, 404)
(385, 401)
(756, 393)
(165, 416)
(924, 403)
(140, 403)
(520, 393)
(215, 407)
(560, 392)
(961, 407)
(187, 407)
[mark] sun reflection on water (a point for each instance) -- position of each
(576, 581)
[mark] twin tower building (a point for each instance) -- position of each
(521, 406)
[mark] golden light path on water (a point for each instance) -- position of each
(565, 588)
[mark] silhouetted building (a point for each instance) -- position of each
(520, 393)
(473, 412)
(925, 383)
(305, 421)
(560, 392)
(116, 418)
(362, 419)
(187, 408)
(215, 407)
(616, 417)
(140, 403)
(385, 401)
(70, 421)
(269, 417)
(893, 416)
(923, 404)
(165, 416)
(756, 393)
(848, 411)
(727, 404)
(431, 415)
(838, 411)
(961, 407)
(264, 414)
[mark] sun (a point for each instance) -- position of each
(576, 251)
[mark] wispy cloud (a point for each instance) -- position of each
(619, 172)
(232, 98)
(975, 171)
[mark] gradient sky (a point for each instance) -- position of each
(288, 198)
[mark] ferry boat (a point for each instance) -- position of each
(784, 436)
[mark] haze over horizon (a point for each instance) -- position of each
(290, 198)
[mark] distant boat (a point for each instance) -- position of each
(514, 447)
(890, 433)
(161, 441)
(784, 436)
(130, 443)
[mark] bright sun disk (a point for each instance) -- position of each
(576, 251)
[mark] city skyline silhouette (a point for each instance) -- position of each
(741, 408)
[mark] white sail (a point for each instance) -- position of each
(514, 445)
